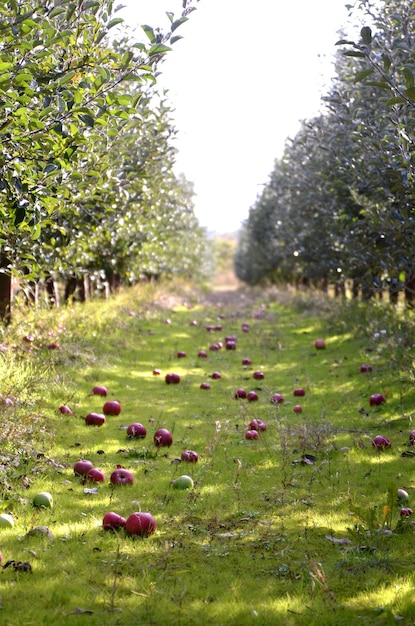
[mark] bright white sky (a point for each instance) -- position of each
(240, 80)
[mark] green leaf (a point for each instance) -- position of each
(88, 120)
(178, 23)
(159, 48)
(36, 232)
(410, 93)
(366, 35)
(175, 38)
(19, 216)
(114, 22)
(149, 32)
(361, 75)
(353, 53)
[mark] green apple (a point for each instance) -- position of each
(43, 499)
(6, 520)
(183, 482)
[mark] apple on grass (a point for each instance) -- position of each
(365, 368)
(257, 424)
(252, 396)
(403, 495)
(299, 391)
(298, 408)
(189, 456)
(65, 410)
(82, 467)
(43, 499)
(156, 372)
(216, 375)
(95, 475)
(319, 344)
(202, 354)
(412, 437)
(6, 520)
(405, 511)
(240, 394)
(377, 399)
(95, 419)
(121, 476)
(140, 524)
(277, 398)
(380, 442)
(251, 434)
(112, 407)
(183, 482)
(113, 521)
(163, 438)
(204, 385)
(172, 379)
(181, 354)
(258, 375)
(136, 431)
(100, 390)
(246, 361)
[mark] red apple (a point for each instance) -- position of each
(380, 442)
(365, 368)
(240, 394)
(121, 476)
(246, 361)
(299, 391)
(377, 399)
(82, 467)
(95, 475)
(113, 521)
(252, 396)
(163, 438)
(245, 327)
(136, 431)
(172, 379)
(258, 375)
(181, 355)
(95, 419)
(298, 408)
(189, 456)
(53, 346)
(65, 410)
(100, 390)
(140, 524)
(204, 385)
(216, 375)
(231, 338)
(214, 347)
(277, 398)
(156, 372)
(406, 511)
(230, 345)
(412, 437)
(202, 354)
(251, 434)
(112, 407)
(257, 424)
(319, 344)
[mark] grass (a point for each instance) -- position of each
(263, 537)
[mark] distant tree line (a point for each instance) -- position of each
(339, 204)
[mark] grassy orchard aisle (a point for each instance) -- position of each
(262, 537)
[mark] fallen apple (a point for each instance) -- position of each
(189, 456)
(204, 385)
(412, 437)
(216, 375)
(65, 410)
(298, 408)
(181, 354)
(121, 476)
(377, 399)
(245, 327)
(240, 394)
(156, 372)
(82, 467)
(380, 442)
(365, 368)
(299, 391)
(136, 431)
(202, 354)
(100, 390)
(54, 346)
(95, 475)
(113, 521)
(214, 347)
(163, 438)
(95, 419)
(405, 511)
(172, 379)
(43, 499)
(183, 482)
(6, 520)
(277, 398)
(252, 396)
(140, 524)
(230, 345)
(246, 361)
(112, 407)
(403, 495)
(320, 344)
(251, 434)
(257, 424)
(258, 375)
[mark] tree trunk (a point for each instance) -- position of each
(5, 291)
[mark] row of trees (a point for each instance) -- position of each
(87, 181)
(339, 203)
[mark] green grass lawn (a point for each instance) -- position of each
(299, 526)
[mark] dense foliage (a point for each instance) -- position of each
(338, 205)
(87, 184)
